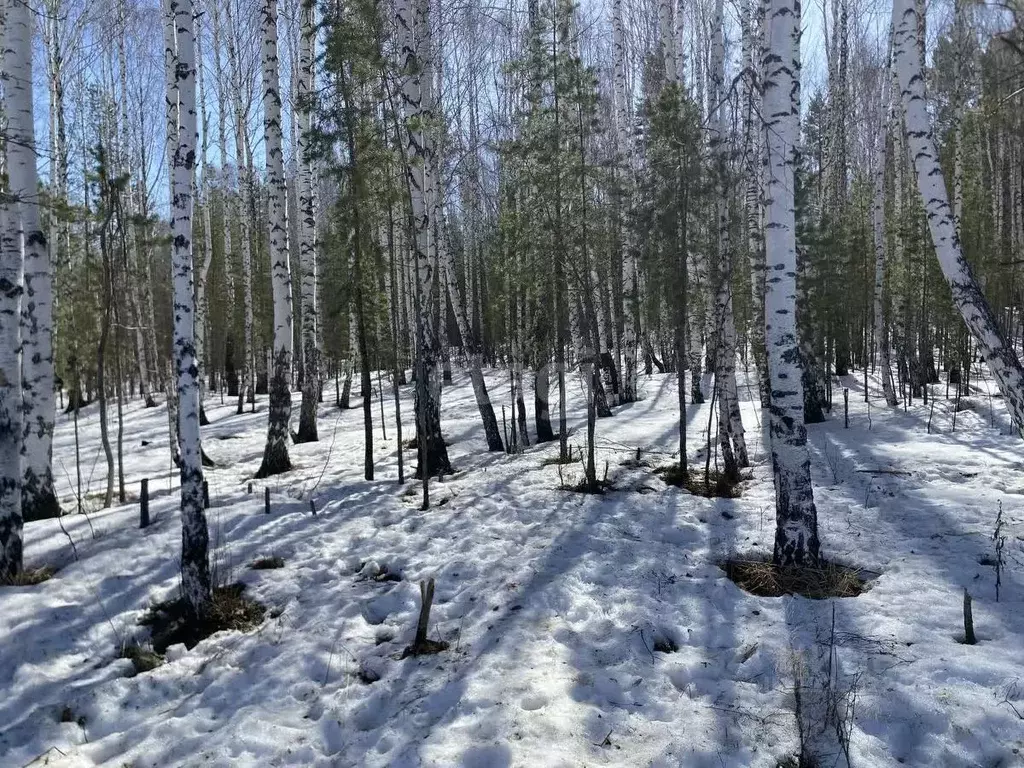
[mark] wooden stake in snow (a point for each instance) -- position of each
(426, 600)
(144, 504)
(846, 408)
(969, 637)
(421, 645)
(266, 500)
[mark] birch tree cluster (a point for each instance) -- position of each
(267, 200)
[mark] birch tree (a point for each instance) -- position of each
(967, 295)
(38, 498)
(307, 231)
(796, 529)
(11, 432)
(730, 425)
(878, 236)
(195, 567)
(411, 16)
(753, 200)
(630, 309)
(275, 454)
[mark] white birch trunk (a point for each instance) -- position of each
(473, 351)
(666, 30)
(967, 296)
(878, 233)
(171, 119)
(245, 205)
(680, 43)
(412, 20)
(195, 568)
(135, 287)
(630, 303)
(307, 234)
(275, 454)
(11, 431)
(244, 211)
(753, 199)
(38, 498)
(206, 260)
(730, 425)
(697, 266)
(226, 174)
(796, 533)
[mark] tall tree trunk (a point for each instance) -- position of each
(412, 18)
(38, 498)
(878, 233)
(275, 453)
(245, 210)
(699, 287)
(753, 192)
(106, 318)
(395, 330)
(196, 587)
(164, 362)
(796, 530)
(630, 298)
(472, 346)
(730, 425)
(206, 247)
(307, 236)
(225, 187)
(11, 431)
(967, 296)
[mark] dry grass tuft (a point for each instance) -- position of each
(228, 610)
(714, 485)
(28, 577)
(574, 455)
(762, 577)
(142, 657)
(424, 648)
(598, 487)
(267, 563)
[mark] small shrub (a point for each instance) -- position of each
(424, 648)
(67, 715)
(665, 644)
(713, 485)
(761, 577)
(570, 458)
(29, 577)
(267, 563)
(367, 675)
(142, 657)
(598, 487)
(228, 610)
(673, 474)
(797, 761)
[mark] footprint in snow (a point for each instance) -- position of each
(533, 701)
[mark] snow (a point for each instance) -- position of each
(552, 601)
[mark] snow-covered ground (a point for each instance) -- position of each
(552, 601)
